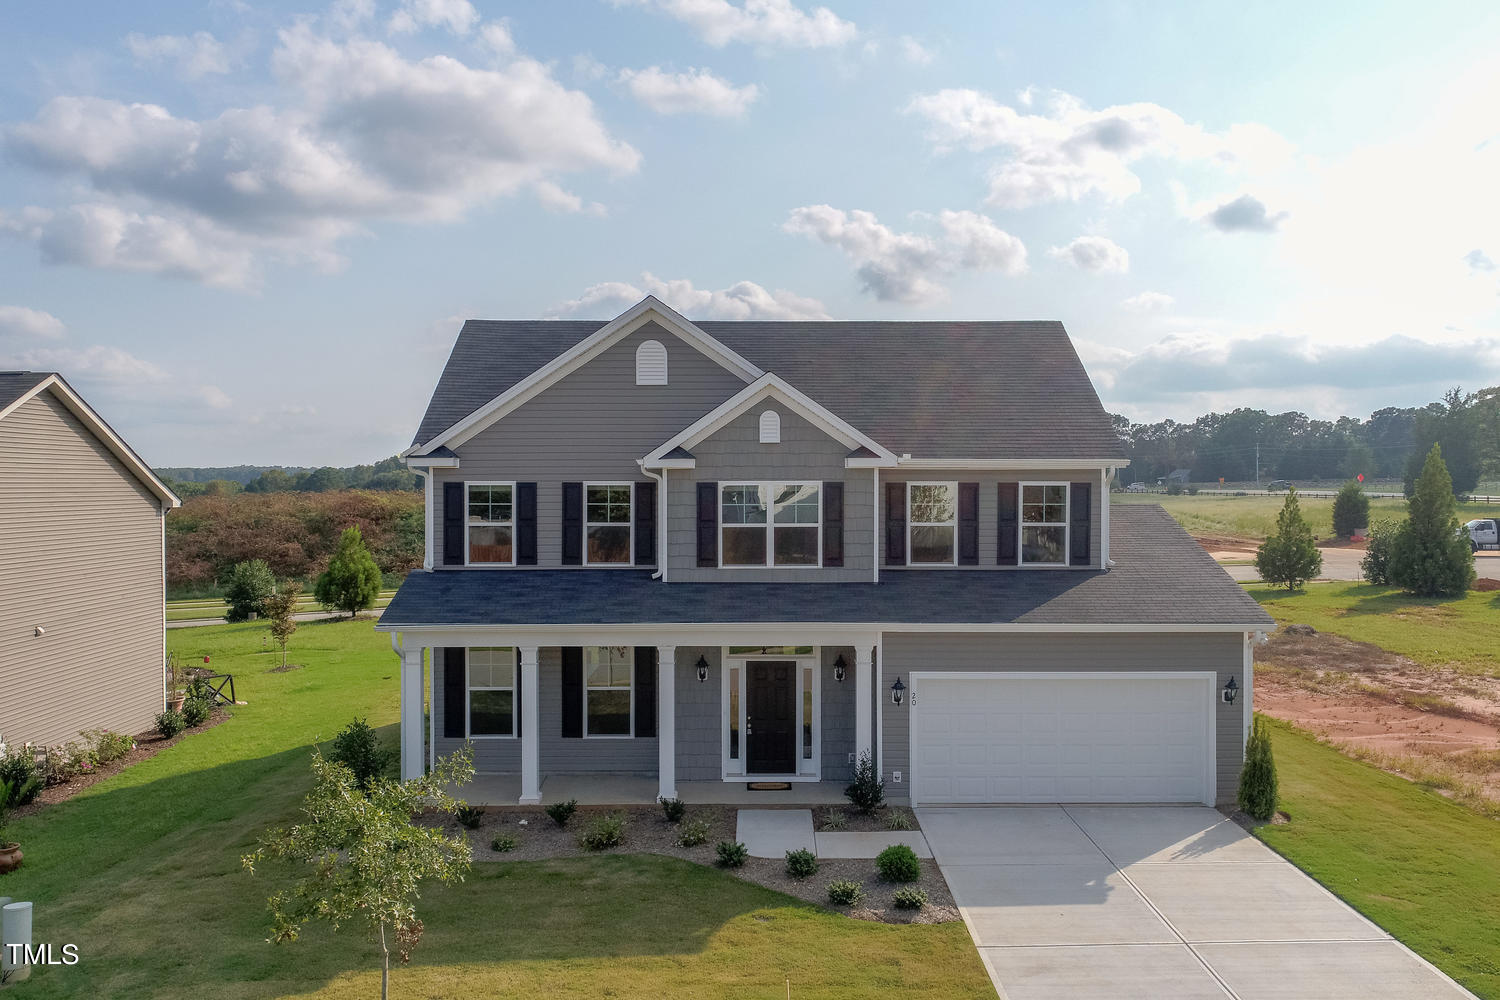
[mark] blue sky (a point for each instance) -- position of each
(249, 232)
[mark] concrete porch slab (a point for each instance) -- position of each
(1336, 970)
(1053, 905)
(868, 845)
(1102, 972)
(770, 833)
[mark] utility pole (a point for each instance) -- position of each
(1257, 463)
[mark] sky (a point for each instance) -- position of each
(249, 232)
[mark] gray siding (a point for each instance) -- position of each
(1221, 652)
(700, 737)
(81, 556)
(838, 716)
(735, 455)
(590, 426)
(989, 504)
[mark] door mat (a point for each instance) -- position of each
(769, 786)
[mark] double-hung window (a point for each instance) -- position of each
(491, 523)
(607, 523)
(608, 706)
(1044, 524)
(771, 524)
(492, 690)
(932, 523)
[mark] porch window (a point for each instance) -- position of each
(933, 523)
(771, 524)
(1044, 523)
(608, 694)
(607, 523)
(492, 690)
(490, 523)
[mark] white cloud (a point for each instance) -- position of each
(21, 323)
(914, 51)
(458, 16)
(1245, 214)
(741, 300)
(497, 38)
(1478, 260)
(696, 91)
(1147, 302)
(1068, 151)
(757, 22)
(194, 57)
(1093, 253)
(89, 364)
(905, 267)
(560, 200)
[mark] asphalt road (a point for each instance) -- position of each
(1343, 564)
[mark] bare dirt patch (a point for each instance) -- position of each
(1485, 584)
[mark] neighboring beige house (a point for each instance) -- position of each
(82, 587)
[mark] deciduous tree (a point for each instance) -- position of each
(279, 609)
(250, 583)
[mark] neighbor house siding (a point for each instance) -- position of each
(1222, 653)
(81, 557)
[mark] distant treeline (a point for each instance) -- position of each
(1391, 444)
(387, 474)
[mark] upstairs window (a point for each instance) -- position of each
(770, 427)
(771, 524)
(607, 523)
(608, 705)
(933, 523)
(651, 363)
(491, 524)
(1044, 523)
(492, 690)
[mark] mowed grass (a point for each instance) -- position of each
(1420, 866)
(1462, 632)
(180, 611)
(142, 872)
(1254, 517)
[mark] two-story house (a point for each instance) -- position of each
(751, 551)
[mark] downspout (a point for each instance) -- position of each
(661, 518)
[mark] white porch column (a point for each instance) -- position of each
(412, 750)
(666, 722)
(864, 686)
(531, 725)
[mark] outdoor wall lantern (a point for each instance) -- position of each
(898, 691)
(702, 670)
(840, 669)
(1231, 691)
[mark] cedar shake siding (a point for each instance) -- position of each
(80, 556)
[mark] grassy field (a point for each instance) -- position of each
(180, 611)
(142, 872)
(1254, 517)
(1423, 868)
(1458, 632)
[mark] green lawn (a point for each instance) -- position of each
(181, 611)
(1459, 632)
(1253, 517)
(1424, 868)
(142, 872)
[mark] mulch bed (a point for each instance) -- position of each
(647, 832)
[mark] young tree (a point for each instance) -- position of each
(1258, 791)
(1429, 556)
(1351, 510)
(250, 583)
(363, 858)
(352, 581)
(1289, 557)
(279, 609)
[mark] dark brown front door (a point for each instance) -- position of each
(771, 718)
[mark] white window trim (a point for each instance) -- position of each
(910, 523)
(630, 686)
(512, 525)
(768, 492)
(469, 689)
(1067, 522)
(735, 770)
(630, 522)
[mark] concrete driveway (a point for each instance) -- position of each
(1085, 902)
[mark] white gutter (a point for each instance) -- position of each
(661, 518)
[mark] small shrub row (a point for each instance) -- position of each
(898, 863)
(170, 723)
(909, 898)
(561, 812)
(692, 833)
(469, 816)
(731, 854)
(673, 810)
(603, 833)
(504, 843)
(801, 863)
(845, 892)
(835, 820)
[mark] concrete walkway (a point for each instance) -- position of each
(770, 833)
(1119, 902)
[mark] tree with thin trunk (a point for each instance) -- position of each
(279, 610)
(352, 581)
(363, 857)
(1289, 557)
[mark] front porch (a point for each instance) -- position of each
(630, 790)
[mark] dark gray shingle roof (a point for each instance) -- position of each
(936, 390)
(1162, 577)
(14, 385)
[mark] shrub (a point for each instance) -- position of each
(730, 854)
(692, 833)
(909, 898)
(845, 892)
(249, 584)
(504, 843)
(195, 711)
(561, 812)
(360, 750)
(1351, 510)
(108, 746)
(898, 863)
(603, 833)
(200, 687)
(1289, 557)
(801, 863)
(866, 791)
(673, 810)
(1376, 565)
(1429, 555)
(898, 819)
(19, 770)
(352, 581)
(170, 723)
(1258, 777)
(469, 816)
(835, 820)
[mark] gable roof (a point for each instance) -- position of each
(934, 390)
(16, 388)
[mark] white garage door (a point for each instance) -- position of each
(1062, 737)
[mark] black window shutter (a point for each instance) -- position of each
(895, 524)
(572, 524)
(572, 692)
(833, 524)
(526, 524)
(645, 690)
(453, 524)
(968, 524)
(516, 692)
(708, 524)
(1078, 523)
(455, 693)
(1010, 524)
(645, 524)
